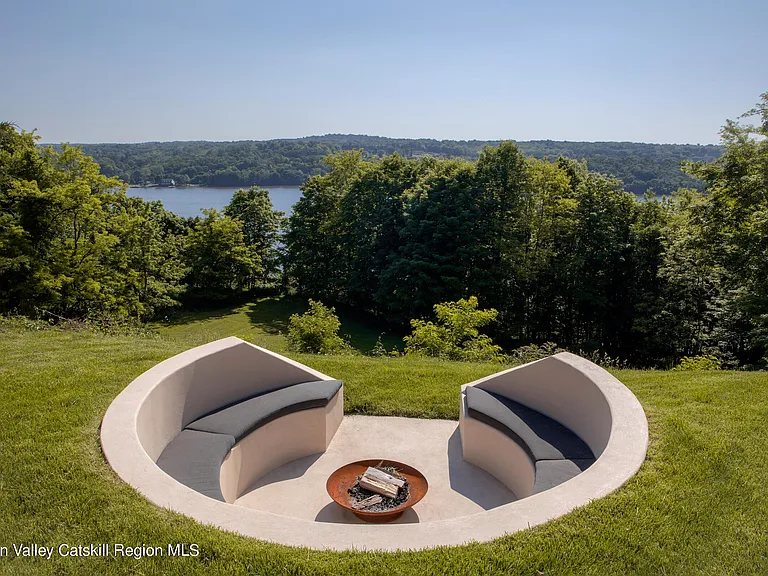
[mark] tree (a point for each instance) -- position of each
(73, 243)
(370, 218)
(502, 175)
(261, 226)
(218, 258)
(732, 231)
(152, 240)
(59, 226)
(438, 251)
(315, 264)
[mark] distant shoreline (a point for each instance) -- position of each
(264, 186)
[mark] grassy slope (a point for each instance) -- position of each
(265, 323)
(698, 505)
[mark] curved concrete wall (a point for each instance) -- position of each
(499, 455)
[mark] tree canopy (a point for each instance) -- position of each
(562, 253)
(535, 251)
(73, 243)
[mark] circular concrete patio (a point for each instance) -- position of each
(456, 488)
(290, 458)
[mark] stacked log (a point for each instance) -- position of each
(388, 490)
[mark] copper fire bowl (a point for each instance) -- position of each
(345, 477)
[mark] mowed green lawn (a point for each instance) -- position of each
(265, 323)
(699, 504)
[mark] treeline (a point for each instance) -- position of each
(73, 244)
(292, 162)
(563, 253)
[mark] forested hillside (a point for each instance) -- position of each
(292, 162)
(563, 253)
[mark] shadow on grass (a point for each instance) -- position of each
(272, 315)
(188, 316)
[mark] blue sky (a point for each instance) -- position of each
(134, 71)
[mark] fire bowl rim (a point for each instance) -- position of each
(417, 490)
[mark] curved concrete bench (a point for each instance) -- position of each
(159, 406)
(195, 456)
(535, 426)
(218, 417)
(555, 453)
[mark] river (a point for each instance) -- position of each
(189, 201)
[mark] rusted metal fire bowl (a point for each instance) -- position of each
(345, 477)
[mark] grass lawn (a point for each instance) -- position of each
(699, 504)
(265, 323)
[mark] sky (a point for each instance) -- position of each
(654, 71)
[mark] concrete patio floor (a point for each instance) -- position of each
(456, 488)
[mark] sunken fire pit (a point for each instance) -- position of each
(377, 490)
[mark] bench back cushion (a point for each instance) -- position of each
(542, 437)
(241, 419)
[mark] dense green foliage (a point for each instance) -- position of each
(456, 334)
(696, 506)
(220, 261)
(563, 253)
(316, 331)
(261, 227)
(73, 243)
(291, 162)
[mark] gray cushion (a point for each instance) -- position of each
(194, 459)
(550, 473)
(242, 418)
(542, 437)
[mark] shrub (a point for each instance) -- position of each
(455, 336)
(604, 360)
(379, 349)
(110, 325)
(316, 331)
(533, 352)
(703, 362)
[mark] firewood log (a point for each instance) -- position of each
(384, 476)
(367, 503)
(379, 486)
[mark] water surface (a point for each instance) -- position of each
(187, 202)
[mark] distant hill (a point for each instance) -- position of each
(292, 161)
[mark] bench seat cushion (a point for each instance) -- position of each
(242, 418)
(550, 473)
(542, 437)
(194, 458)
